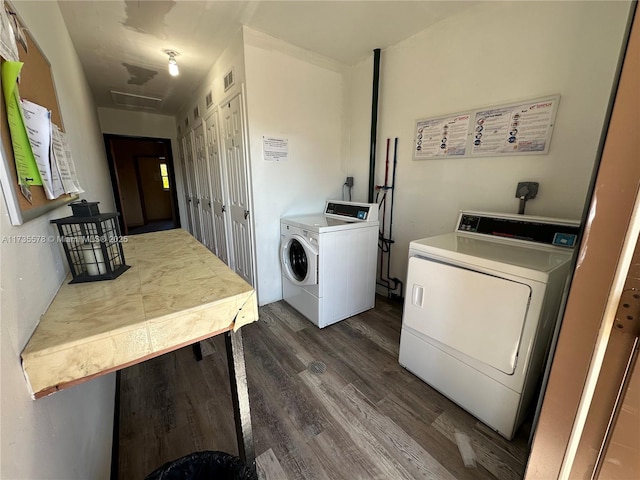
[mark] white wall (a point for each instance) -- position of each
(296, 95)
(490, 54)
(69, 434)
(152, 125)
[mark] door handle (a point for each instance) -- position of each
(417, 295)
(224, 208)
(246, 214)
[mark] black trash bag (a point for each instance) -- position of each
(206, 465)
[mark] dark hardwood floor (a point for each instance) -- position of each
(325, 404)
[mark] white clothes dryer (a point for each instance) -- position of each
(481, 305)
(329, 261)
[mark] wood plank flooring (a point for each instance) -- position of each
(325, 404)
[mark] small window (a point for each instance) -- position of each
(164, 174)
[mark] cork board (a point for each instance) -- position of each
(37, 85)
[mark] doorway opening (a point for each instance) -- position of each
(144, 184)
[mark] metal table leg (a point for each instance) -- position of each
(197, 351)
(240, 397)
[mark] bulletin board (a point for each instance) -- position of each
(520, 128)
(36, 85)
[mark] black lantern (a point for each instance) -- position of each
(92, 243)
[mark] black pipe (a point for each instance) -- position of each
(393, 185)
(374, 122)
(396, 280)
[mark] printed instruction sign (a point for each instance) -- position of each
(275, 149)
(442, 137)
(513, 129)
(523, 128)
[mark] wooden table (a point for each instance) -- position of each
(175, 294)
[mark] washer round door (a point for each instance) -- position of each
(299, 260)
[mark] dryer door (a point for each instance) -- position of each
(299, 260)
(479, 315)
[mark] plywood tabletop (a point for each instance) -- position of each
(175, 293)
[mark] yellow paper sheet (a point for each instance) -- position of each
(26, 166)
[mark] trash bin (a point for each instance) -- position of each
(206, 465)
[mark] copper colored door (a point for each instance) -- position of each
(589, 379)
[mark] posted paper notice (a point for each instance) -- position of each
(275, 149)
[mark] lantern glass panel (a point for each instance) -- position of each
(93, 246)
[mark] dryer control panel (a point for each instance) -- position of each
(542, 230)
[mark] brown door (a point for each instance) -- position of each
(620, 458)
(155, 188)
(587, 380)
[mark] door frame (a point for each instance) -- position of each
(115, 182)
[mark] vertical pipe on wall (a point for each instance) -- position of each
(374, 122)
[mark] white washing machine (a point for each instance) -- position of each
(480, 307)
(329, 261)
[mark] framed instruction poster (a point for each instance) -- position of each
(442, 137)
(512, 129)
(516, 128)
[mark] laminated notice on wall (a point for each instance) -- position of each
(275, 149)
(513, 129)
(520, 128)
(442, 137)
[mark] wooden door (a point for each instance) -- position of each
(620, 457)
(155, 191)
(240, 237)
(583, 390)
(618, 434)
(218, 188)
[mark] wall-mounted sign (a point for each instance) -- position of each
(442, 137)
(513, 129)
(275, 149)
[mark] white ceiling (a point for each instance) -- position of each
(121, 44)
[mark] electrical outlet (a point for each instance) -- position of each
(349, 182)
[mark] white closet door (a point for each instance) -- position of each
(192, 197)
(477, 314)
(185, 180)
(237, 176)
(202, 183)
(218, 191)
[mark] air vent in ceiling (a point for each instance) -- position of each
(228, 80)
(132, 100)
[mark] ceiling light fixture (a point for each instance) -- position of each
(174, 71)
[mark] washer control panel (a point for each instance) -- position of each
(351, 211)
(542, 230)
